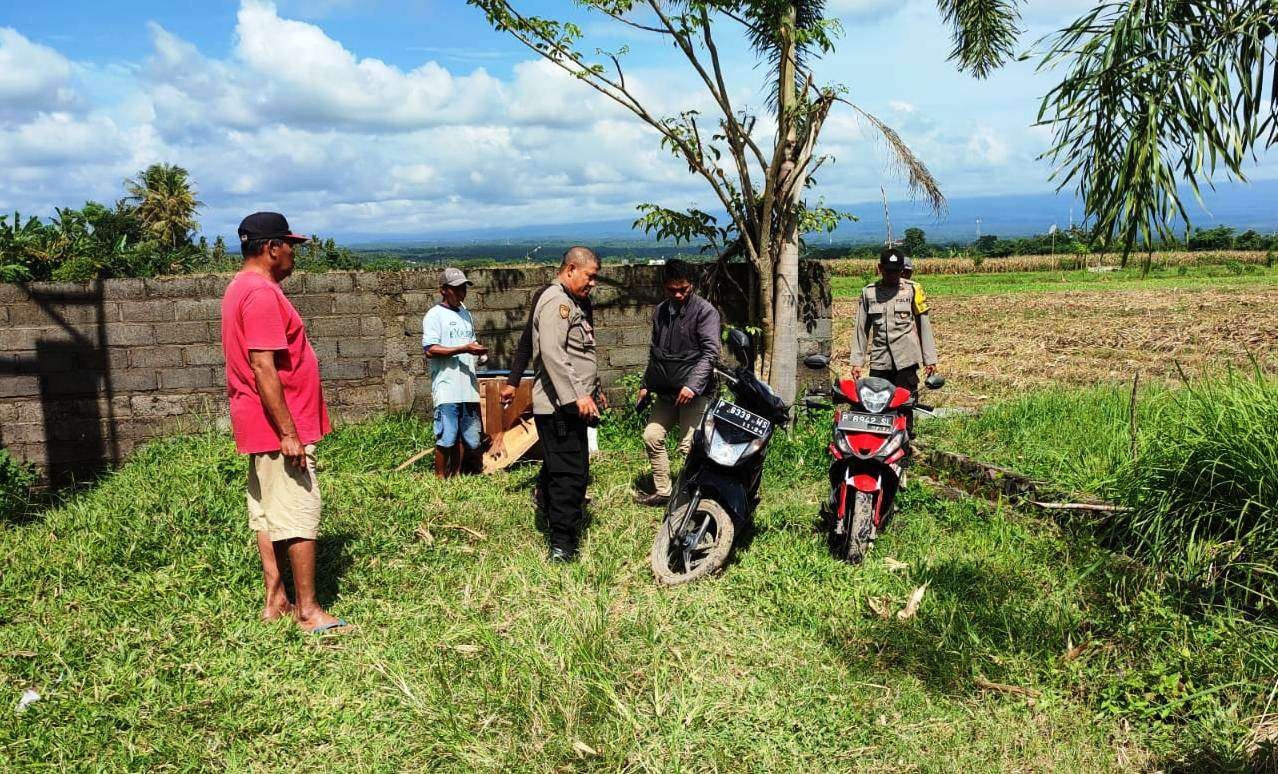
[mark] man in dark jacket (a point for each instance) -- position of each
(679, 379)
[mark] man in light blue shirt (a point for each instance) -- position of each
(448, 341)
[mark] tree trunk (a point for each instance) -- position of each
(784, 348)
(767, 323)
(784, 271)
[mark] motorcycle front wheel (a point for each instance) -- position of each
(700, 549)
(858, 535)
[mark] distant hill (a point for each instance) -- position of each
(1253, 205)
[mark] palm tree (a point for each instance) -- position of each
(166, 203)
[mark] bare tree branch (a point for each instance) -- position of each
(635, 25)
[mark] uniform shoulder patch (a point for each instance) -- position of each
(920, 299)
(563, 311)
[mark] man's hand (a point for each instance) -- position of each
(293, 450)
(586, 408)
(685, 397)
(641, 397)
(930, 369)
(603, 400)
(475, 348)
(507, 395)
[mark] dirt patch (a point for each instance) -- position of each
(996, 346)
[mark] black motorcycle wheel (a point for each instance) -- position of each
(860, 529)
(674, 561)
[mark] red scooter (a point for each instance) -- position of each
(870, 450)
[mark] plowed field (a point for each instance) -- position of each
(994, 346)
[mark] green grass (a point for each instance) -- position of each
(131, 608)
(958, 285)
(1073, 438)
(1199, 477)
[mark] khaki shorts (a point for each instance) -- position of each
(283, 500)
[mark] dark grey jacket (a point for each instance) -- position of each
(692, 327)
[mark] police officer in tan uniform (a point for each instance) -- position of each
(893, 331)
(565, 382)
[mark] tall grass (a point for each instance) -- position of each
(1074, 439)
(1200, 478)
(1203, 487)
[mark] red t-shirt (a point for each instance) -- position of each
(256, 315)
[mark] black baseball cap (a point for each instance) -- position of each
(268, 225)
(892, 260)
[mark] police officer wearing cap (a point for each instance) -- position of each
(893, 331)
(565, 382)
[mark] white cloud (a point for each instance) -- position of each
(32, 76)
(986, 147)
(291, 119)
(310, 78)
(52, 139)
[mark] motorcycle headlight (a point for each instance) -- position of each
(727, 445)
(841, 442)
(892, 445)
(724, 452)
(707, 425)
(874, 401)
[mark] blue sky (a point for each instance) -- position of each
(409, 117)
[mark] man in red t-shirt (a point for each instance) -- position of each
(277, 415)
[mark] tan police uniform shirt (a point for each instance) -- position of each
(563, 351)
(895, 320)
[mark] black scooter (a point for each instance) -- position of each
(718, 489)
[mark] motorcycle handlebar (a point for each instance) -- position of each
(727, 375)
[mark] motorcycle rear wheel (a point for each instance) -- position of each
(860, 529)
(705, 558)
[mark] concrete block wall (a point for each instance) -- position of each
(88, 371)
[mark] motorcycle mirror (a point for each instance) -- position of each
(817, 362)
(934, 382)
(741, 347)
(813, 402)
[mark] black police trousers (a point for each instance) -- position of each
(902, 377)
(565, 472)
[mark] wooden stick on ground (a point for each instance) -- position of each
(1103, 507)
(981, 682)
(476, 534)
(414, 458)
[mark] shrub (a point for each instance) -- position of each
(16, 480)
(1202, 488)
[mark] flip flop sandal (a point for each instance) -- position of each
(329, 627)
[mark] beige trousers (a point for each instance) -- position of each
(283, 501)
(665, 414)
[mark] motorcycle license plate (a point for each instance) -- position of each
(738, 417)
(857, 422)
